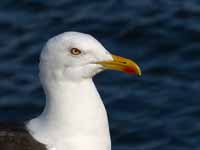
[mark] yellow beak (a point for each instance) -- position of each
(121, 64)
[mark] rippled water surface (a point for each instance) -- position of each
(158, 111)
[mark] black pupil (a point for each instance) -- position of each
(75, 51)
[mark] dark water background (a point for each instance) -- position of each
(158, 111)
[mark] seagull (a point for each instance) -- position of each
(74, 117)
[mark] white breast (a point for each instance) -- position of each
(74, 118)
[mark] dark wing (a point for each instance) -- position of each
(16, 137)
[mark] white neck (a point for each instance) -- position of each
(74, 117)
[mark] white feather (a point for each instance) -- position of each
(74, 117)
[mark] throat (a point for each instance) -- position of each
(74, 114)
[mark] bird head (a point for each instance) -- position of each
(75, 56)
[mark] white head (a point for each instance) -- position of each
(76, 56)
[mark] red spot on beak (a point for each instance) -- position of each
(129, 70)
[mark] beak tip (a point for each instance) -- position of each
(140, 74)
(138, 70)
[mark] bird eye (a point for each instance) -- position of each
(75, 51)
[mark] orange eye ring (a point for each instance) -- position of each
(75, 51)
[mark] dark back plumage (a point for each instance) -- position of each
(16, 137)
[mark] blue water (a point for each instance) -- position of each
(158, 111)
